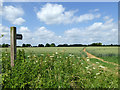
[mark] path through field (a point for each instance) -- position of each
(92, 56)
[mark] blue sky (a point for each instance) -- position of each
(78, 22)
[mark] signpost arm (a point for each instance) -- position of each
(13, 44)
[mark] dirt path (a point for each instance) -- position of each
(92, 56)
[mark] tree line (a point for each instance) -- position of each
(60, 45)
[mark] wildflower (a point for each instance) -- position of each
(66, 57)
(87, 59)
(34, 55)
(94, 76)
(101, 66)
(90, 69)
(51, 56)
(97, 73)
(56, 52)
(78, 57)
(93, 67)
(89, 72)
(36, 61)
(97, 62)
(86, 67)
(81, 63)
(42, 54)
(28, 56)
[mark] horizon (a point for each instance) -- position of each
(71, 23)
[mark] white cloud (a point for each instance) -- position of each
(87, 17)
(94, 10)
(1, 4)
(13, 14)
(56, 14)
(40, 35)
(106, 17)
(6, 32)
(106, 33)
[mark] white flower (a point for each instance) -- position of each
(87, 59)
(86, 67)
(81, 63)
(34, 55)
(101, 66)
(97, 62)
(66, 57)
(51, 56)
(97, 73)
(42, 54)
(78, 57)
(28, 56)
(56, 52)
(93, 67)
(36, 61)
(71, 55)
(94, 76)
(88, 72)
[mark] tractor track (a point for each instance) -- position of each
(92, 56)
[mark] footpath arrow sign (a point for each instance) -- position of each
(19, 36)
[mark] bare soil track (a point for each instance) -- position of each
(92, 56)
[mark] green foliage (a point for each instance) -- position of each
(5, 45)
(26, 45)
(47, 45)
(54, 69)
(96, 44)
(52, 45)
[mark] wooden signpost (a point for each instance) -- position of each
(13, 37)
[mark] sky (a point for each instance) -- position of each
(60, 22)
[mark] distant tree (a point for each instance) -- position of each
(23, 45)
(47, 45)
(28, 45)
(5, 45)
(52, 45)
(96, 44)
(63, 45)
(40, 45)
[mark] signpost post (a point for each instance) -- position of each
(13, 37)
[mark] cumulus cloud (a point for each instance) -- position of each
(1, 4)
(106, 33)
(6, 32)
(56, 14)
(40, 35)
(94, 10)
(13, 14)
